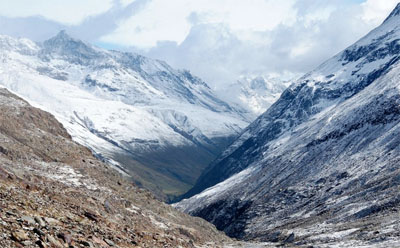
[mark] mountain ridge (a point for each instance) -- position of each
(134, 112)
(333, 87)
(324, 154)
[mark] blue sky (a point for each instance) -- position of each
(219, 40)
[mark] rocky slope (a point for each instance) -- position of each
(160, 125)
(54, 193)
(320, 166)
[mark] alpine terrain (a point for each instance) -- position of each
(255, 94)
(159, 125)
(55, 193)
(321, 165)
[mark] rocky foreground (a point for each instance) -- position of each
(54, 193)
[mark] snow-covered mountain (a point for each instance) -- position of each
(158, 124)
(255, 94)
(321, 165)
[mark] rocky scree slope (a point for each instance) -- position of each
(159, 125)
(54, 193)
(321, 165)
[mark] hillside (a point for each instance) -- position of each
(54, 193)
(320, 166)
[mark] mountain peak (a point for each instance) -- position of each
(61, 37)
(63, 34)
(76, 50)
(258, 83)
(395, 12)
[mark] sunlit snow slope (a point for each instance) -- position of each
(323, 161)
(255, 94)
(158, 124)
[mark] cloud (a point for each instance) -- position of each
(309, 33)
(90, 29)
(102, 24)
(70, 12)
(172, 20)
(376, 10)
(217, 40)
(35, 28)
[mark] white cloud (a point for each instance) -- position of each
(222, 42)
(70, 12)
(125, 3)
(172, 20)
(374, 11)
(219, 40)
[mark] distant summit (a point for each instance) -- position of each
(75, 51)
(61, 38)
(254, 94)
(63, 35)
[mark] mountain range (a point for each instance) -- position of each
(318, 168)
(321, 165)
(159, 125)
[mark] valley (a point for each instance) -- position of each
(101, 146)
(159, 125)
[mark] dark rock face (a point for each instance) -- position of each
(228, 216)
(322, 162)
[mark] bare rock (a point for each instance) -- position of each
(290, 238)
(54, 242)
(19, 236)
(39, 232)
(52, 221)
(91, 216)
(109, 242)
(65, 237)
(29, 220)
(41, 244)
(99, 242)
(40, 221)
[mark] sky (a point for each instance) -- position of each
(218, 40)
